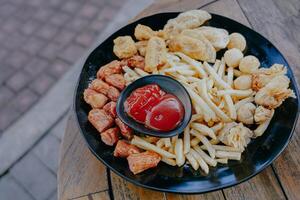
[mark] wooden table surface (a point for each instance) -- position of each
(81, 176)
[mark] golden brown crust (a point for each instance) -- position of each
(124, 47)
(142, 32)
(155, 54)
(199, 48)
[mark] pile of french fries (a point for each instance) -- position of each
(200, 145)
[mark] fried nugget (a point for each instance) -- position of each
(124, 47)
(200, 48)
(142, 32)
(218, 37)
(185, 20)
(155, 54)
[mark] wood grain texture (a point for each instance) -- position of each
(80, 173)
(100, 196)
(280, 23)
(122, 189)
(208, 196)
(263, 186)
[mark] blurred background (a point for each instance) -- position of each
(43, 44)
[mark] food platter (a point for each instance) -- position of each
(259, 153)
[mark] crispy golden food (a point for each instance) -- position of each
(186, 20)
(155, 54)
(249, 64)
(233, 57)
(237, 40)
(124, 47)
(218, 37)
(195, 48)
(243, 82)
(264, 75)
(142, 32)
(274, 93)
(237, 136)
(245, 113)
(141, 47)
(262, 114)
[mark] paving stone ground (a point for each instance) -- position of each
(39, 41)
(33, 177)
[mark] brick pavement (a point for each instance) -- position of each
(33, 177)
(39, 41)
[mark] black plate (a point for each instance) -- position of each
(168, 85)
(259, 153)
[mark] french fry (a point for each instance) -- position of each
(204, 130)
(230, 76)
(207, 111)
(222, 160)
(160, 143)
(140, 72)
(236, 93)
(195, 141)
(263, 126)
(221, 70)
(180, 158)
(229, 155)
(192, 161)
(148, 146)
(168, 161)
(196, 117)
(186, 140)
(230, 106)
(216, 65)
(218, 111)
(129, 71)
(222, 148)
(203, 165)
(186, 72)
(197, 65)
(205, 157)
(167, 142)
(205, 142)
(215, 76)
(217, 127)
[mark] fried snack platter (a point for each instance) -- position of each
(234, 98)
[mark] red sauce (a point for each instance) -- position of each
(153, 107)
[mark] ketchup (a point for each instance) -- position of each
(153, 107)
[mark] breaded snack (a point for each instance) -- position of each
(142, 32)
(141, 47)
(185, 20)
(199, 48)
(155, 54)
(218, 37)
(124, 47)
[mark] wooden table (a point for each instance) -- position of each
(82, 176)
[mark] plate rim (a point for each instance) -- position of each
(212, 189)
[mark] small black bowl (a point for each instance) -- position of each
(168, 85)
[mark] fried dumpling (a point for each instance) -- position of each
(185, 20)
(155, 54)
(197, 48)
(218, 37)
